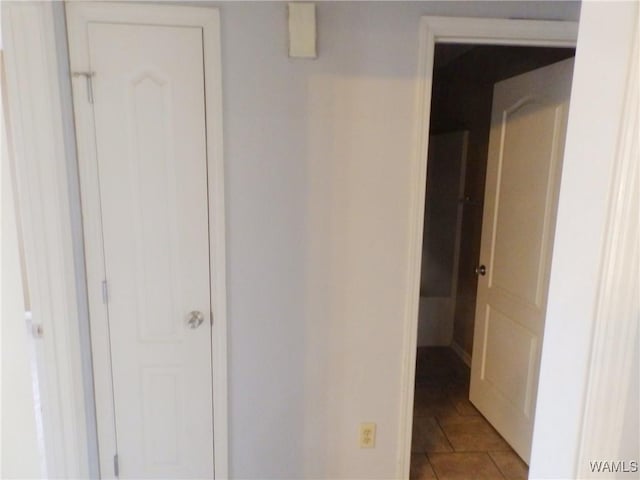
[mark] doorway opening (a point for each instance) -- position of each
(449, 433)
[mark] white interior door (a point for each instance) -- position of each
(148, 100)
(526, 145)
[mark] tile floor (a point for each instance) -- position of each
(451, 440)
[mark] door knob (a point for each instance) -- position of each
(481, 270)
(195, 319)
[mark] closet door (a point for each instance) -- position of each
(147, 88)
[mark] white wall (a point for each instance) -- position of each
(19, 454)
(629, 443)
(317, 158)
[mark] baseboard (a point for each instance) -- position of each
(464, 356)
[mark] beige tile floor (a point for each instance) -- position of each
(451, 440)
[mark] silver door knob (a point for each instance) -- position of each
(481, 270)
(195, 319)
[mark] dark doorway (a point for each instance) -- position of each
(449, 433)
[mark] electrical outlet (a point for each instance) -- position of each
(367, 435)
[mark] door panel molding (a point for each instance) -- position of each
(488, 31)
(78, 16)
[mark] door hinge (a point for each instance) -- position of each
(116, 465)
(105, 292)
(88, 76)
(211, 318)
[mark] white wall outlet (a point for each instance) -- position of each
(367, 435)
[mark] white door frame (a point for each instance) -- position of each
(448, 30)
(618, 298)
(43, 198)
(78, 16)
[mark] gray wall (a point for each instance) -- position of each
(317, 157)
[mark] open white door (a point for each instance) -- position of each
(526, 146)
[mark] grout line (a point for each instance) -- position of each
(496, 465)
(431, 465)
(445, 434)
(435, 474)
